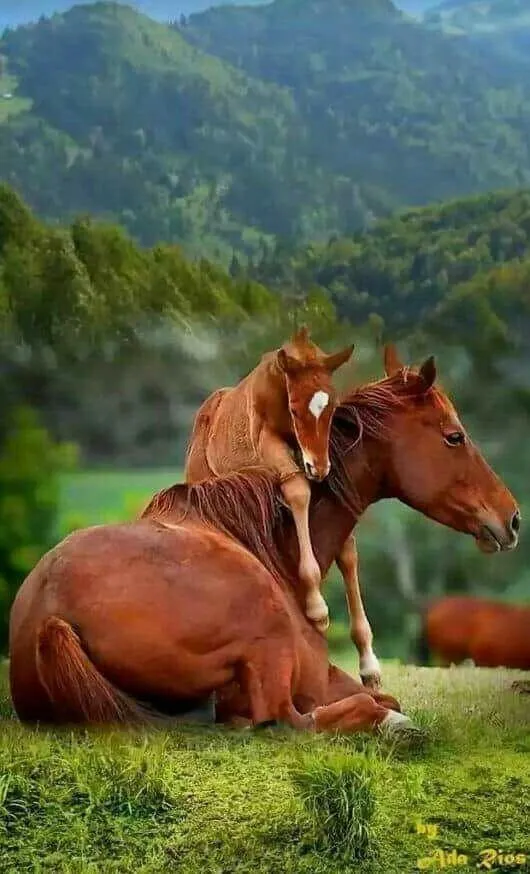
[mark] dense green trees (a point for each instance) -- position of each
(30, 464)
(88, 329)
(410, 115)
(65, 285)
(419, 269)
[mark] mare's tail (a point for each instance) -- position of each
(77, 690)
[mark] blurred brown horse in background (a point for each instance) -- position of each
(492, 634)
(201, 594)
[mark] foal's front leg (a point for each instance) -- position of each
(297, 494)
(360, 631)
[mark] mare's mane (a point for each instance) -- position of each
(247, 505)
(366, 412)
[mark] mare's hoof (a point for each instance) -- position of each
(399, 728)
(204, 714)
(268, 723)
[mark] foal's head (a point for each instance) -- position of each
(434, 467)
(312, 398)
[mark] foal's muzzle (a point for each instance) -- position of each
(316, 473)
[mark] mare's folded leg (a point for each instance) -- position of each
(360, 713)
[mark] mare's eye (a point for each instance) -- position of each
(455, 438)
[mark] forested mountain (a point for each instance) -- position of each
(299, 119)
(14, 12)
(412, 116)
(461, 269)
(128, 120)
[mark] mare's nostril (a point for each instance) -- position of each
(516, 522)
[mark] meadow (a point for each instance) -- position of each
(199, 799)
(214, 800)
(93, 497)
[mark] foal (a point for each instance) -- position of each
(287, 400)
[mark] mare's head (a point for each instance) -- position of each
(312, 398)
(430, 462)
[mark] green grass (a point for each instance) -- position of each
(14, 105)
(95, 497)
(214, 800)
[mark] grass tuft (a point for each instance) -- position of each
(339, 796)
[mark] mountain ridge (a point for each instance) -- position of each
(241, 125)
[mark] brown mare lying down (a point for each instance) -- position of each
(183, 602)
(288, 400)
(490, 633)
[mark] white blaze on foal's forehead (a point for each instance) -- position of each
(318, 403)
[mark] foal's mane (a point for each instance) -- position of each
(247, 505)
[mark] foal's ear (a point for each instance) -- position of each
(391, 360)
(428, 372)
(301, 335)
(287, 363)
(337, 359)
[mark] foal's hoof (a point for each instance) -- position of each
(317, 612)
(370, 671)
(371, 681)
(322, 625)
(522, 687)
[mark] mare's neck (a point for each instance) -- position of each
(331, 523)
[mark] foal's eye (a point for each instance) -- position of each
(455, 438)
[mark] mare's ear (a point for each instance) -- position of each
(428, 372)
(391, 360)
(337, 359)
(301, 335)
(287, 363)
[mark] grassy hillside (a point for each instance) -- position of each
(10, 103)
(194, 800)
